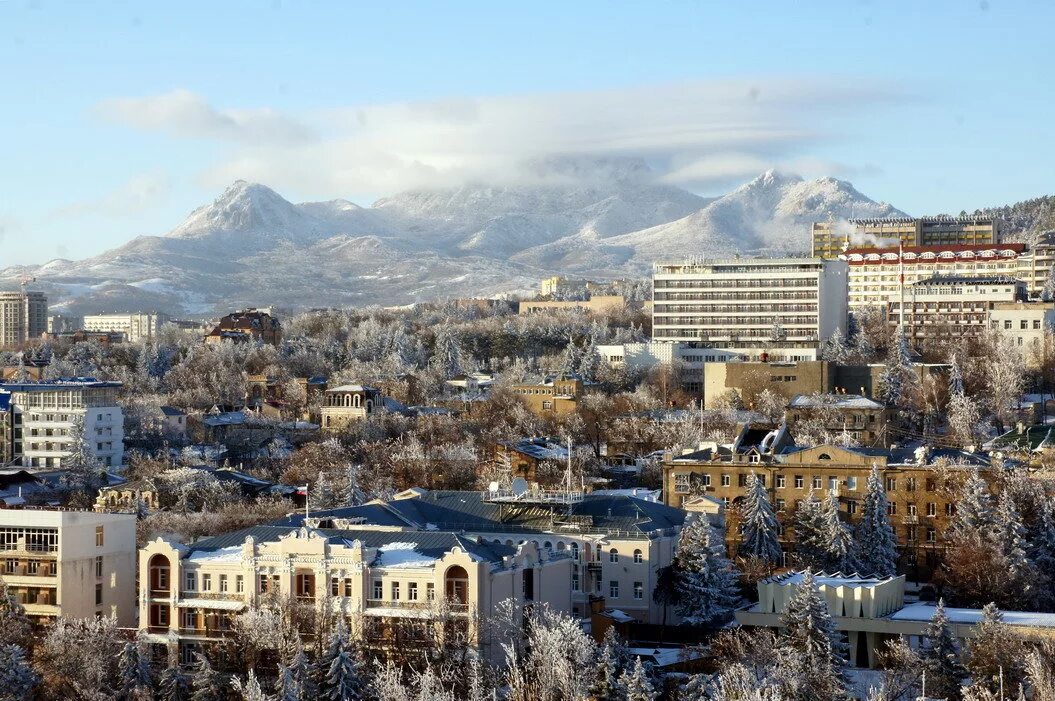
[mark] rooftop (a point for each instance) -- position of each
(58, 383)
(838, 401)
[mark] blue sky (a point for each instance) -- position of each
(118, 118)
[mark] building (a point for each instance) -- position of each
(45, 415)
(541, 462)
(618, 544)
(76, 564)
(349, 403)
(558, 287)
(399, 591)
(247, 326)
(558, 396)
(762, 308)
(1025, 322)
(136, 326)
(832, 238)
(749, 379)
(689, 358)
(23, 317)
(951, 307)
(872, 611)
(594, 304)
(862, 419)
(63, 323)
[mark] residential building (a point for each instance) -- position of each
(832, 238)
(557, 395)
(64, 323)
(558, 287)
(595, 304)
(541, 462)
(618, 544)
(247, 326)
(76, 564)
(399, 590)
(23, 317)
(136, 326)
(761, 308)
(951, 307)
(349, 403)
(1025, 322)
(45, 414)
(860, 419)
(689, 358)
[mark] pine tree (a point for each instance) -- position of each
(637, 684)
(136, 683)
(301, 671)
(1009, 534)
(209, 685)
(815, 656)
(836, 349)
(83, 468)
(590, 361)
(974, 510)
(1042, 545)
(995, 651)
(706, 579)
(570, 360)
(955, 377)
(288, 688)
(345, 679)
(611, 658)
(945, 673)
(174, 685)
(447, 355)
(875, 546)
(838, 539)
(809, 526)
(760, 539)
(897, 376)
(17, 678)
(250, 690)
(736, 682)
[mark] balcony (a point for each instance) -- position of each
(910, 520)
(205, 633)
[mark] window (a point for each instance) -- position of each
(910, 484)
(379, 591)
(395, 591)
(1007, 324)
(706, 480)
(347, 586)
(547, 404)
(575, 579)
(223, 584)
(891, 484)
(741, 480)
(335, 586)
(613, 589)
(412, 591)
(833, 483)
(638, 558)
(798, 482)
(1036, 324)
(682, 483)
(575, 551)
(99, 566)
(239, 584)
(98, 536)
(1023, 325)
(851, 483)
(430, 592)
(613, 555)
(206, 582)
(817, 481)
(932, 509)
(726, 480)
(910, 534)
(781, 481)
(639, 590)
(950, 509)
(891, 508)
(851, 507)
(99, 595)
(781, 504)
(932, 535)
(911, 509)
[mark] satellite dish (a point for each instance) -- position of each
(519, 486)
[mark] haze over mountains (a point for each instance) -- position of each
(598, 218)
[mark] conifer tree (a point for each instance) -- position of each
(209, 685)
(941, 656)
(760, 539)
(995, 651)
(345, 679)
(875, 546)
(706, 580)
(570, 360)
(611, 659)
(808, 524)
(974, 510)
(174, 684)
(837, 534)
(17, 678)
(135, 683)
(637, 684)
(288, 688)
(15, 627)
(590, 361)
(1009, 534)
(814, 655)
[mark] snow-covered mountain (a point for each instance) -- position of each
(599, 217)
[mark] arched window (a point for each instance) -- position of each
(548, 545)
(357, 401)
(638, 559)
(456, 585)
(561, 546)
(369, 406)
(159, 573)
(613, 555)
(824, 456)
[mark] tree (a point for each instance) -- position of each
(707, 580)
(814, 657)
(1010, 534)
(898, 377)
(590, 361)
(570, 360)
(17, 678)
(83, 469)
(837, 535)
(249, 690)
(637, 684)
(737, 682)
(209, 685)
(974, 510)
(836, 349)
(174, 684)
(875, 546)
(995, 651)
(345, 675)
(760, 537)
(15, 628)
(1005, 375)
(941, 657)
(810, 533)
(611, 658)
(447, 354)
(136, 684)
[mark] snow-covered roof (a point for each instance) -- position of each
(838, 401)
(228, 554)
(402, 555)
(538, 448)
(924, 611)
(352, 388)
(834, 579)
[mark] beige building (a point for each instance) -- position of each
(763, 308)
(832, 238)
(556, 396)
(689, 359)
(347, 404)
(595, 304)
(136, 326)
(1026, 322)
(397, 590)
(862, 419)
(23, 317)
(951, 307)
(77, 564)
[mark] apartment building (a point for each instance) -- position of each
(347, 404)
(397, 590)
(760, 308)
(1026, 322)
(618, 544)
(943, 307)
(831, 239)
(23, 317)
(553, 396)
(136, 327)
(77, 564)
(690, 359)
(44, 416)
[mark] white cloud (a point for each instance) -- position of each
(137, 195)
(696, 134)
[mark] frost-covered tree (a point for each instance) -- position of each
(15, 628)
(551, 661)
(995, 651)
(836, 349)
(941, 657)
(962, 411)
(447, 353)
(898, 377)
(737, 682)
(174, 685)
(637, 685)
(974, 509)
(590, 361)
(345, 678)
(611, 658)
(209, 684)
(570, 360)
(77, 658)
(1042, 546)
(249, 690)
(875, 545)
(810, 533)
(813, 662)
(83, 469)
(760, 537)
(1005, 377)
(1010, 534)
(136, 682)
(838, 538)
(17, 678)
(300, 669)
(706, 580)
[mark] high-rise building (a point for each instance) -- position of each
(762, 308)
(832, 238)
(136, 326)
(23, 317)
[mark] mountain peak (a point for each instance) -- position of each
(243, 206)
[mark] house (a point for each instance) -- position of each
(554, 396)
(247, 326)
(862, 419)
(346, 404)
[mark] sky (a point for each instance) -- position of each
(119, 118)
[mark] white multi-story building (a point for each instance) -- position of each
(396, 589)
(777, 309)
(689, 357)
(951, 306)
(23, 317)
(45, 416)
(136, 326)
(76, 564)
(1026, 322)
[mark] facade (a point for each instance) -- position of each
(63, 323)
(595, 304)
(23, 317)
(349, 403)
(1025, 322)
(690, 358)
(539, 461)
(398, 591)
(77, 564)
(247, 326)
(862, 419)
(136, 326)
(44, 416)
(618, 544)
(560, 287)
(952, 307)
(832, 238)
(558, 396)
(762, 308)
(749, 379)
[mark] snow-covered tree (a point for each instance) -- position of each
(1005, 377)
(736, 682)
(209, 684)
(249, 690)
(995, 651)
(590, 361)
(174, 685)
(813, 662)
(611, 658)
(636, 684)
(571, 359)
(810, 533)
(15, 628)
(838, 538)
(136, 683)
(706, 580)
(875, 545)
(974, 509)
(1010, 534)
(898, 377)
(345, 678)
(836, 349)
(447, 353)
(17, 678)
(554, 660)
(760, 537)
(941, 657)
(83, 468)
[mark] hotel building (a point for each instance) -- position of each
(832, 238)
(135, 327)
(23, 317)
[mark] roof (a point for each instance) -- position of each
(838, 401)
(469, 512)
(58, 383)
(352, 388)
(834, 579)
(172, 411)
(923, 611)
(538, 448)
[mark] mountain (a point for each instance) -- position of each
(596, 217)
